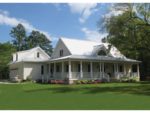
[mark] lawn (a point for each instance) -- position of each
(104, 96)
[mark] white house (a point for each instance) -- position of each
(73, 59)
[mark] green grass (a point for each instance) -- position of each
(105, 96)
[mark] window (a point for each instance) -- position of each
(61, 53)
(57, 68)
(134, 68)
(120, 68)
(47, 68)
(78, 67)
(102, 53)
(38, 54)
(67, 68)
(16, 57)
(42, 70)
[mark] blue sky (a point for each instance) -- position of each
(54, 20)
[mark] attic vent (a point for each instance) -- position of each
(102, 53)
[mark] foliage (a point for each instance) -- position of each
(130, 31)
(19, 35)
(129, 79)
(38, 39)
(35, 38)
(6, 49)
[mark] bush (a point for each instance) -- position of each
(129, 79)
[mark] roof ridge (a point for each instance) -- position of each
(67, 38)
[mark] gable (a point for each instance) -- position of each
(30, 55)
(35, 53)
(79, 47)
(60, 46)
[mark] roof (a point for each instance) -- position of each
(99, 58)
(26, 52)
(28, 60)
(89, 48)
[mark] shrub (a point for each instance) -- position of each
(125, 79)
(78, 82)
(129, 79)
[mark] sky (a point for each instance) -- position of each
(70, 20)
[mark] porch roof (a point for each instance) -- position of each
(100, 58)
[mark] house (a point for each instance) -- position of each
(73, 59)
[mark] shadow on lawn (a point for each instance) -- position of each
(141, 89)
(56, 89)
(138, 90)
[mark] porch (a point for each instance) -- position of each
(91, 70)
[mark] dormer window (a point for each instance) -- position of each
(102, 53)
(38, 54)
(61, 52)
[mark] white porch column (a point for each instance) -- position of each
(70, 73)
(49, 70)
(130, 71)
(115, 69)
(103, 69)
(124, 69)
(54, 70)
(91, 70)
(62, 69)
(100, 69)
(81, 71)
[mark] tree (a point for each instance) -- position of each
(130, 31)
(36, 38)
(6, 49)
(19, 35)
(39, 39)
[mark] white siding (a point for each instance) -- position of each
(33, 71)
(16, 70)
(60, 46)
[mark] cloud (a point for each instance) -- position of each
(93, 35)
(5, 19)
(83, 9)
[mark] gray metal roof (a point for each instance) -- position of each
(101, 58)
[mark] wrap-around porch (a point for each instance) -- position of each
(90, 70)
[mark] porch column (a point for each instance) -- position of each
(115, 69)
(81, 71)
(130, 71)
(70, 73)
(62, 69)
(54, 70)
(50, 70)
(100, 69)
(91, 70)
(138, 72)
(103, 70)
(124, 69)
